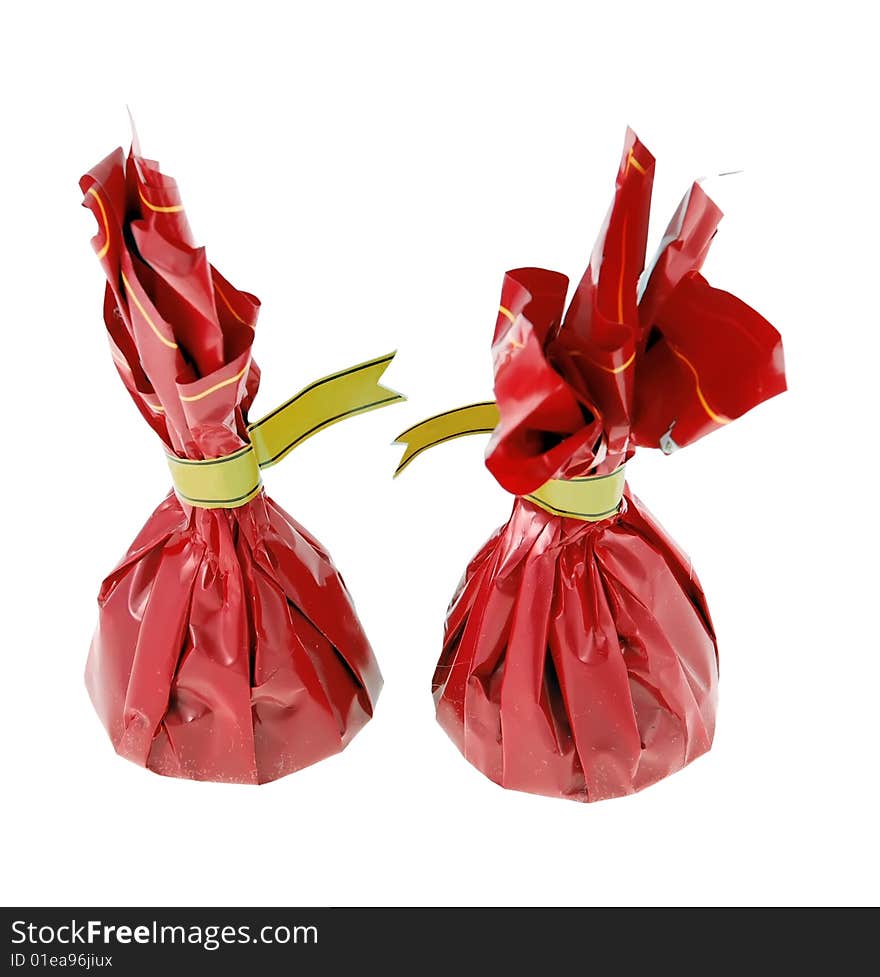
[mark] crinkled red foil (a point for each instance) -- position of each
(227, 645)
(579, 658)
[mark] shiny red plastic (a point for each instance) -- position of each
(579, 658)
(227, 646)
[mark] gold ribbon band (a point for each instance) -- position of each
(233, 480)
(591, 498)
(218, 483)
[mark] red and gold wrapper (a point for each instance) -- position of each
(579, 657)
(227, 646)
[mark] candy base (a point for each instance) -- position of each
(228, 649)
(579, 658)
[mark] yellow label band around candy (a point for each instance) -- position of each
(233, 480)
(218, 483)
(591, 498)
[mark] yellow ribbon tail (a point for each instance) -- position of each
(479, 418)
(233, 480)
(320, 404)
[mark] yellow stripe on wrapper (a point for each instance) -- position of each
(105, 225)
(217, 386)
(233, 480)
(592, 498)
(173, 209)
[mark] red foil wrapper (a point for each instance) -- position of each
(227, 646)
(579, 658)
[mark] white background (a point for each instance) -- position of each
(370, 171)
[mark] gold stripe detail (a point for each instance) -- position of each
(636, 165)
(173, 209)
(608, 369)
(217, 386)
(234, 479)
(615, 369)
(228, 305)
(103, 252)
(631, 160)
(168, 342)
(589, 499)
(479, 418)
(718, 418)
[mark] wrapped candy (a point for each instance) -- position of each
(227, 645)
(579, 657)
